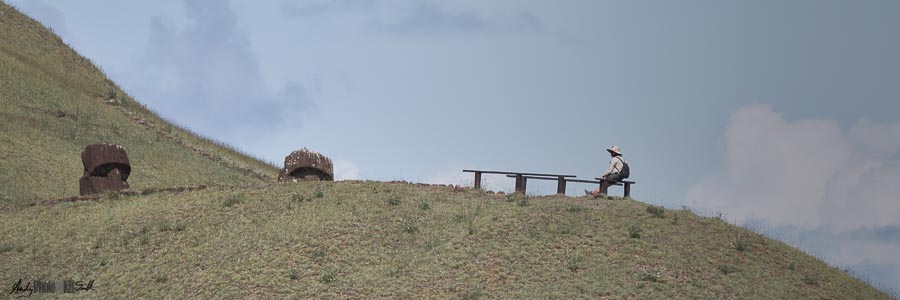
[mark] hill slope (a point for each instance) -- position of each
(365, 239)
(54, 102)
(246, 237)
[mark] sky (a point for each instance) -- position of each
(780, 115)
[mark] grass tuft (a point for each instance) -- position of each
(233, 200)
(634, 231)
(657, 211)
(728, 269)
(294, 274)
(810, 279)
(650, 277)
(741, 245)
(328, 277)
(410, 226)
(575, 208)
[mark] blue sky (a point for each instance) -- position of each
(781, 115)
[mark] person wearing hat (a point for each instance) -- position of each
(613, 172)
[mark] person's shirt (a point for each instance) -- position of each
(616, 164)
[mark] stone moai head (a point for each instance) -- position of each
(306, 165)
(106, 168)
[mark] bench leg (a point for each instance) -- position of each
(477, 180)
(627, 190)
(561, 186)
(520, 184)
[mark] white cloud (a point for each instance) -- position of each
(206, 75)
(805, 173)
(345, 170)
(834, 191)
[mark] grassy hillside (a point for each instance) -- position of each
(54, 102)
(365, 239)
(247, 237)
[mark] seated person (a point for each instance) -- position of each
(613, 173)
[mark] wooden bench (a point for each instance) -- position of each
(520, 178)
(561, 183)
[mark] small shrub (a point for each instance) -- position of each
(328, 277)
(811, 279)
(741, 245)
(459, 217)
(410, 226)
(674, 218)
(424, 205)
(6, 248)
(634, 231)
(523, 201)
(575, 208)
(472, 295)
(651, 277)
(319, 253)
(293, 274)
(164, 226)
(728, 269)
(233, 200)
(393, 200)
(299, 198)
(657, 211)
(575, 263)
(160, 279)
(319, 193)
(111, 93)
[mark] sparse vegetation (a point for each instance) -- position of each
(233, 200)
(328, 277)
(294, 274)
(741, 244)
(634, 231)
(656, 211)
(575, 208)
(728, 269)
(340, 249)
(651, 277)
(320, 193)
(810, 279)
(409, 226)
(393, 201)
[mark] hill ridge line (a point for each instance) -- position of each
(137, 119)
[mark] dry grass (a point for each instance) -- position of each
(354, 241)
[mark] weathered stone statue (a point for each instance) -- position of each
(306, 165)
(106, 168)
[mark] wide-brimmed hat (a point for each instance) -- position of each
(615, 150)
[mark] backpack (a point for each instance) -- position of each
(626, 171)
